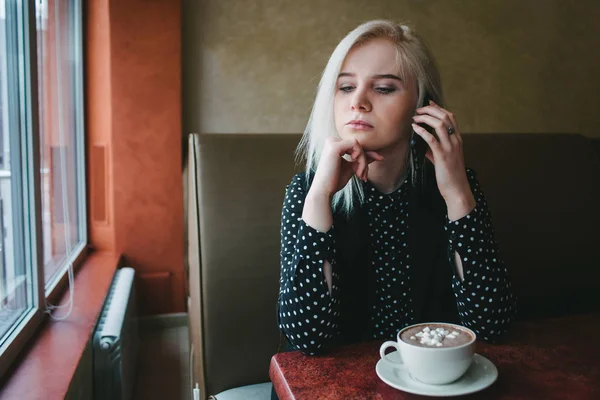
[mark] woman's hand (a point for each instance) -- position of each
(334, 171)
(447, 158)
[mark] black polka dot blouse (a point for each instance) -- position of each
(308, 313)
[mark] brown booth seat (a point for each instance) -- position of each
(543, 192)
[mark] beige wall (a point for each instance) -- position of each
(506, 65)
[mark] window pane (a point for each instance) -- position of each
(61, 133)
(16, 278)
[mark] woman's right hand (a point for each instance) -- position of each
(334, 171)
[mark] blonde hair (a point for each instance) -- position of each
(414, 61)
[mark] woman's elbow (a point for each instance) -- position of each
(309, 345)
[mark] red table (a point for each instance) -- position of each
(555, 358)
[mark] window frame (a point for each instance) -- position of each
(25, 66)
(55, 285)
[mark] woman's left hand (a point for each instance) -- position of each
(447, 158)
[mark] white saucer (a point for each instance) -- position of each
(481, 374)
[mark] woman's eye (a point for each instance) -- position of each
(381, 89)
(385, 90)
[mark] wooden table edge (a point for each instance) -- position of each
(279, 383)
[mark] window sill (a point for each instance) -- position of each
(47, 365)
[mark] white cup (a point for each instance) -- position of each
(432, 365)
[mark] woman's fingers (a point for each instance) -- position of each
(357, 154)
(443, 110)
(429, 155)
(431, 109)
(364, 166)
(360, 159)
(440, 111)
(368, 158)
(447, 117)
(354, 150)
(373, 156)
(359, 169)
(456, 136)
(434, 145)
(440, 125)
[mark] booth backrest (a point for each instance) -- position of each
(543, 192)
(241, 181)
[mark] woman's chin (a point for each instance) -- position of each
(363, 138)
(368, 144)
(368, 140)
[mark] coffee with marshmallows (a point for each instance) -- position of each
(435, 353)
(436, 336)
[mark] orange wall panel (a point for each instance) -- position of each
(99, 122)
(144, 149)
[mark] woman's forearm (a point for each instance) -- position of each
(317, 211)
(317, 214)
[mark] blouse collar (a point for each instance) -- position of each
(382, 201)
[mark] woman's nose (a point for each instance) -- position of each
(360, 102)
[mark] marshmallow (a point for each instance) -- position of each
(435, 336)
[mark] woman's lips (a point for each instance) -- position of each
(359, 125)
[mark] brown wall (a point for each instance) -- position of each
(507, 65)
(134, 141)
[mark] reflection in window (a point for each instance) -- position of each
(16, 277)
(61, 133)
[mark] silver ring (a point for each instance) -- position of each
(450, 130)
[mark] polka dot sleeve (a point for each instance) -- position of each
(485, 299)
(307, 312)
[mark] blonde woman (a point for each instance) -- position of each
(386, 227)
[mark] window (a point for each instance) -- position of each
(61, 139)
(42, 187)
(16, 275)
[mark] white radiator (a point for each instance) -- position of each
(116, 341)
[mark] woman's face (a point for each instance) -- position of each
(372, 103)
